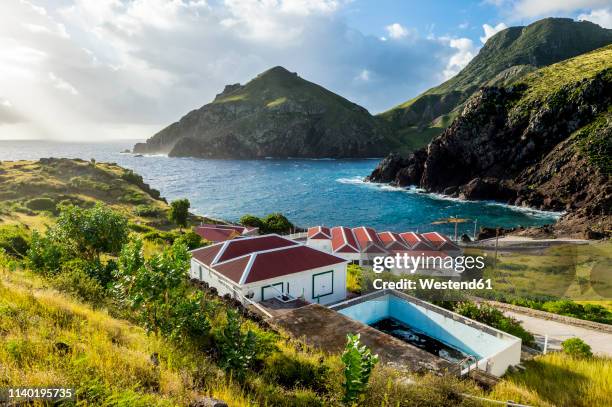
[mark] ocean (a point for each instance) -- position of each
(309, 192)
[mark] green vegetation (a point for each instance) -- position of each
(146, 337)
(493, 317)
(179, 212)
(508, 56)
(272, 223)
(157, 291)
(577, 348)
(557, 379)
(358, 364)
(14, 240)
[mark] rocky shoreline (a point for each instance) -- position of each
(532, 153)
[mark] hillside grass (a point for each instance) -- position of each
(108, 361)
(559, 380)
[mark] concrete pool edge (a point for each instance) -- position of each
(505, 348)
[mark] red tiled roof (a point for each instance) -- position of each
(440, 241)
(216, 234)
(289, 260)
(206, 255)
(233, 269)
(368, 237)
(259, 258)
(241, 247)
(393, 241)
(343, 240)
(319, 232)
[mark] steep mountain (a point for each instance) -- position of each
(545, 142)
(277, 114)
(505, 57)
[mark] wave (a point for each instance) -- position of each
(360, 180)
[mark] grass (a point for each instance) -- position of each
(559, 380)
(109, 359)
(577, 272)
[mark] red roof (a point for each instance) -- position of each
(216, 234)
(319, 232)
(393, 241)
(289, 260)
(241, 247)
(440, 241)
(343, 240)
(263, 257)
(367, 237)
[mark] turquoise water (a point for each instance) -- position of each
(309, 192)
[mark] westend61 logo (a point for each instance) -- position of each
(408, 263)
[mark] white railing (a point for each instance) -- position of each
(244, 299)
(299, 235)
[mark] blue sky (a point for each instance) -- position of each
(95, 70)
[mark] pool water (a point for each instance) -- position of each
(419, 339)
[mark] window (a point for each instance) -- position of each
(200, 272)
(356, 262)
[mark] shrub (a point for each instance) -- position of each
(293, 371)
(276, 223)
(252, 221)
(147, 211)
(14, 240)
(158, 292)
(238, 351)
(41, 204)
(492, 316)
(45, 253)
(74, 280)
(358, 364)
(576, 347)
(191, 239)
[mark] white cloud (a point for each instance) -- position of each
(603, 17)
(364, 75)
(61, 84)
(136, 66)
(464, 49)
(518, 9)
(490, 31)
(396, 31)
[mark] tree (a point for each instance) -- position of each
(157, 291)
(91, 232)
(179, 212)
(252, 221)
(358, 364)
(277, 223)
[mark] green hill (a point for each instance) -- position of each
(542, 142)
(277, 114)
(505, 57)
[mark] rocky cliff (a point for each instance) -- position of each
(277, 114)
(544, 142)
(504, 58)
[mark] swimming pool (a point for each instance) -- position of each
(492, 349)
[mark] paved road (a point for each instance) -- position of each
(557, 332)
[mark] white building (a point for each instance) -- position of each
(270, 266)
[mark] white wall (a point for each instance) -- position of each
(321, 244)
(299, 283)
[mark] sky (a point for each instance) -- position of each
(95, 70)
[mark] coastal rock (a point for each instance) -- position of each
(277, 114)
(550, 152)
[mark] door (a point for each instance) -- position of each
(271, 291)
(322, 284)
